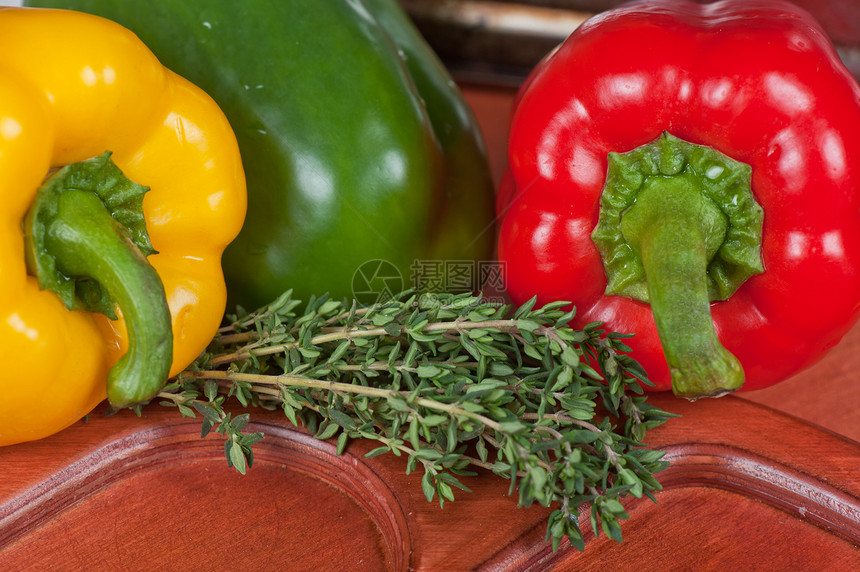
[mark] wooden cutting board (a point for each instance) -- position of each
(748, 488)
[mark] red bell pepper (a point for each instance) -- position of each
(691, 173)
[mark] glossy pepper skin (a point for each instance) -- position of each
(73, 86)
(355, 142)
(757, 81)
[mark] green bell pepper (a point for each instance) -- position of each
(356, 144)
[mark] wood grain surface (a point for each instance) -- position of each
(748, 487)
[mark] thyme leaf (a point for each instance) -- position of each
(450, 383)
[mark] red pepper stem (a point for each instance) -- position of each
(676, 230)
(87, 241)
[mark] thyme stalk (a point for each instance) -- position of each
(451, 383)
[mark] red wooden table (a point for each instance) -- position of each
(766, 480)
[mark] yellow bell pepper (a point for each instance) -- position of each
(73, 86)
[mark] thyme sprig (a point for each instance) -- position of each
(452, 384)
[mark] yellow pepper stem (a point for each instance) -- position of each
(78, 248)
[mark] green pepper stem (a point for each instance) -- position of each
(87, 241)
(676, 230)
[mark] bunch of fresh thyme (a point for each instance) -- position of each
(451, 383)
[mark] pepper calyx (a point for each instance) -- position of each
(123, 199)
(722, 180)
